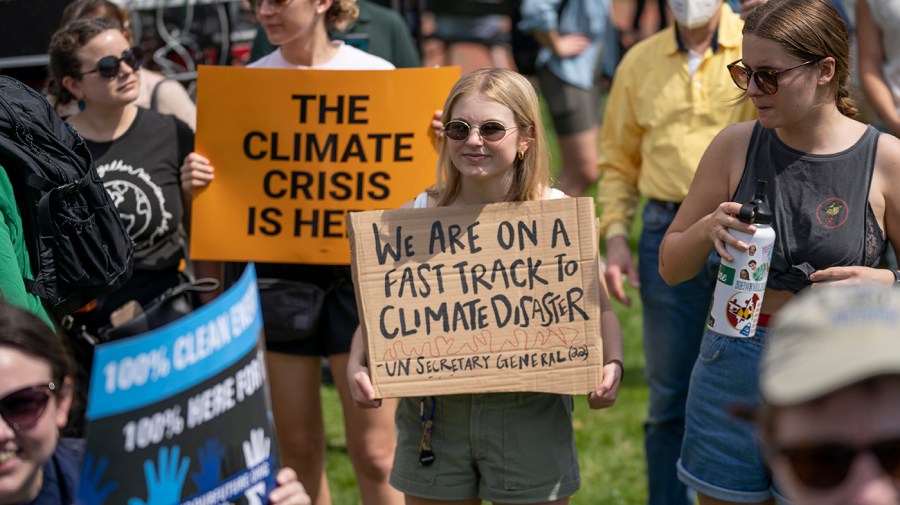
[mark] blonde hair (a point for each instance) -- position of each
(809, 29)
(531, 175)
(340, 15)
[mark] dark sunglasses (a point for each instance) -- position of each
(276, 4)
(827, 465)
(109, 66)
(491, 131)
(766, 80)
(21, 409)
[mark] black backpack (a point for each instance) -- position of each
(525, 47)
(78, 246)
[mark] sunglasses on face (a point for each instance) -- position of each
(766, 80)
(491, 131)
(109, 66)
(275, 4)
(827, 465)
(21, 409)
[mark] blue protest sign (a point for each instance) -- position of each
(181, 415)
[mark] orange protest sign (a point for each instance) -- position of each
(295, 151)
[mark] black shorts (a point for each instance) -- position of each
(573, 109)
(339, 317)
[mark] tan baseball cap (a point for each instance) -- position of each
(828, 338)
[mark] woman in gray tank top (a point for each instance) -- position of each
(829, 179)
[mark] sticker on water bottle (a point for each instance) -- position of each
(742, 312)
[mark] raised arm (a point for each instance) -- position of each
(707, 213)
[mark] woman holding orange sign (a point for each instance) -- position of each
(300, 28)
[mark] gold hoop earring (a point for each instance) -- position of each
(521, 155)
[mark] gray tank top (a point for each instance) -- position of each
(820, 204)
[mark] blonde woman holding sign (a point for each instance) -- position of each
(300, 28)
(494, 150)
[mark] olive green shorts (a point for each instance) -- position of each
(499, 447)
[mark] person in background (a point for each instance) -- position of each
(831, 183)
(629, 38)
(878, 58)
(830, 384)
(504, 158)
(157, 92)
(138, 153)
(569, 70)
(671, 95)
(471, 34)
(377, 30)
(36, 393)
(299, 29)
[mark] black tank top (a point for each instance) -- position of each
(820, 204)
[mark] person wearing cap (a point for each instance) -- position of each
(830, 383)
(831, 184)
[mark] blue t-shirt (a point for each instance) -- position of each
(61, 473)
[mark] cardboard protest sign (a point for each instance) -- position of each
(295, 151)
(182, 414)
(486, 298)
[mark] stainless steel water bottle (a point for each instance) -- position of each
(741, 283)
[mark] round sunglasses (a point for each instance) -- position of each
(824, 466)
(491, 131)
(110, 66)
(21, 409)
(766, 80)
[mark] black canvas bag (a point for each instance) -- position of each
(78, 246)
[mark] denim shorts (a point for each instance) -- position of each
(499, 447)
(720, 455)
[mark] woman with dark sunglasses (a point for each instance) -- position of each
(832, 185)
(484, 445)
(36, 382)
(157, 92)
(36, 395)
(138, 154)
(300, 30)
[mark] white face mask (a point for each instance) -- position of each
(694, 13)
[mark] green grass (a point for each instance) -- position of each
(610, 442)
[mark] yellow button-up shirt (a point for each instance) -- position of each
(660, 119)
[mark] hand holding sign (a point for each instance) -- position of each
(361, 388)
(196, 172)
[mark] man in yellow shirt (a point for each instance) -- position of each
(671, 95)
